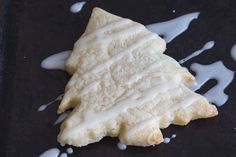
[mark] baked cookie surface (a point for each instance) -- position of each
(124, 86)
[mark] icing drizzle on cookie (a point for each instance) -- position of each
(133, 100)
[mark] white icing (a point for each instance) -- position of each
(69, 150)
(166, 140)
(135, 29)
(233, 52)
(88, 88)
(77, 7)
(53, 152)
(121, 146)
(207, 46)
(62, 144)
(140, 75)
(44, 106)
(100, 32)
(56, 61)
(154, 120)
(106, 39)
(132, 100)
(172, 28)
(118, 56)
(62, 117)
(215, 71)
(173, 136)
(63, 155)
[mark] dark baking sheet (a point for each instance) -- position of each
(32, 30)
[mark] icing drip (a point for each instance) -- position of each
(121, 146)
(215, 71)
(69, 150)
(62, 117)
(207, 46)
(56, 61)
(173, 136)
(172, 28)
(77, 7)
(44, 106)
(233, 52)
(63, 155)
(53, 152)
(166, 140)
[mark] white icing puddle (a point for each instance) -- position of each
(233, 52)
(62, 117)
(172, 28)
(44, 106)
(121, 146)
(53, 152)
(207, 46)
(56, 61)
(77, 7)
(216, 71)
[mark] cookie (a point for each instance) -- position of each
(124, 86)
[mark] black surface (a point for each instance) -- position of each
(35, 29)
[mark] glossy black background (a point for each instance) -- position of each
(34, 29)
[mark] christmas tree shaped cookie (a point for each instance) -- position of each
(124, 86)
